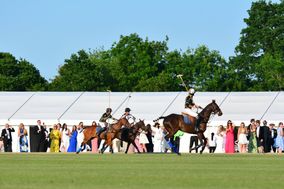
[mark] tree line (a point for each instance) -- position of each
(136, 64)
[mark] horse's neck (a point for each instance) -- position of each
(205, 113)
(117, 125)
(135, 128)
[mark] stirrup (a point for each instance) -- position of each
(197, 129)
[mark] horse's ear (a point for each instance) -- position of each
(213, 101)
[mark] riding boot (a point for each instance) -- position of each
(197, 123)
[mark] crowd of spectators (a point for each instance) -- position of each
(257, 137)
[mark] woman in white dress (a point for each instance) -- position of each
(65, 132)
(158, 138)
(242, 138)
(220, 140)
(143, 140)
(80, 136)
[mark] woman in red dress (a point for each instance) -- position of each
(230, 141)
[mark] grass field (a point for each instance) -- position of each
(68, 171)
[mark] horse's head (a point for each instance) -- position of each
(216, 109)
(141, 125)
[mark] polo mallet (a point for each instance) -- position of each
(109, 91)
(180, 77)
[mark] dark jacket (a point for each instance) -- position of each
(4, 135)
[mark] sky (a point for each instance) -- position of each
(45, 33)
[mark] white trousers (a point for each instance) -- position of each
(190, 112)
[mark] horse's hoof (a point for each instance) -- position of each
(178, 153)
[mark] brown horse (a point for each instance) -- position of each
(91, 132)
(175, 122)
(129, 134)
(111, 133)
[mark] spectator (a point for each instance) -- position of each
(242, 138)
(80, 135)
(46, 138)
(40, 138)
(55, 137)
(65, 132)
(252, 122)
(7, 137)
(273, 136)
(252, 146)
(150, 145)
(266, 137)
(259, 136)
(280, 138)
(230, 141)
(143, 140)
(73, 140)
(212, 143)
(220, 140)
(158, 138)
(23, 139)
(1, 145)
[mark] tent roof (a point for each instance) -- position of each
(72, 107)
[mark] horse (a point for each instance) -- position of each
(129, 134)
(111, 133)
(175, 122)
(91, 132)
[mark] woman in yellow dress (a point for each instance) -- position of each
(55, 137)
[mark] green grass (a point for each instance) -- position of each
(68, 171)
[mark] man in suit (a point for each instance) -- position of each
(266, 137)
(7, 137)
(40, 138)
(273, 136)
(259, 136)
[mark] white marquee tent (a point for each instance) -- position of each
(72, 107)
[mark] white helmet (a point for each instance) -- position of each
(191, 91)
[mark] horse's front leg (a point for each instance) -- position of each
(203, 144)
(128, 144)
(82, 147)
(201, 138)
(103, 147)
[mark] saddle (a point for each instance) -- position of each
(186, 119)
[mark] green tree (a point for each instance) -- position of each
(262, 39)
(201, 68)
(84, 71)
(19, 75)
(135, 59)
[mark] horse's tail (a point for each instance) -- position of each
(162, 117)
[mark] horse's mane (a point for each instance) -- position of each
(205, 110)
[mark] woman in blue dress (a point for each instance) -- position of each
(73, 140)
(280, 138)
(23, 139)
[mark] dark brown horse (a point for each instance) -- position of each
(175, 122)
(129, 134)
(91, 132)
(111, 133)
